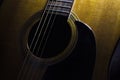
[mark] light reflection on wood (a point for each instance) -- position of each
(103, 16)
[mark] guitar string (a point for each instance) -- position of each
(37, 31)
(39, 24)
(50, 30)
(42, 26)
(20, 75)
(25, 60)
(39, 34)
(47, 25)
(52, 17)
(53, 21)
(30, 70)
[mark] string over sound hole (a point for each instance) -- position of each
(50, 39)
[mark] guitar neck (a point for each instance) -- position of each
(60, 6)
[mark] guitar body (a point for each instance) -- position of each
(72, 40)
(15, 16)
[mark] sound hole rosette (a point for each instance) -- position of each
(63, 54)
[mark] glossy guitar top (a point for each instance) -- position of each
(104, 18)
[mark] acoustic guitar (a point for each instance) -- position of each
(71, 47)
(45, 40)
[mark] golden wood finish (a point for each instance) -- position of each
(103, 16)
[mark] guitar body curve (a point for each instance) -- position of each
(103, 17)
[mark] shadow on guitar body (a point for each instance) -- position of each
(80, 64)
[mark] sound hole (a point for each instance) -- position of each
(51, 41)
